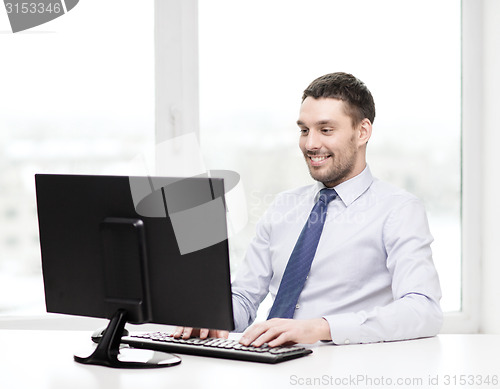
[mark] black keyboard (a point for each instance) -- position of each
(214, 347)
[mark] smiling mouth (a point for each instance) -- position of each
(317, 160)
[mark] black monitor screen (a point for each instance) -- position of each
(153, 247)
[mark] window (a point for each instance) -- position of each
(77, 96)
(257, 57)
(254, 61)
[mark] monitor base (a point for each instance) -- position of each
(109, 352)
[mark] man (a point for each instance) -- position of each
(372, 277)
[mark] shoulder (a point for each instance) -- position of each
(403, 215)
(399, 207)
(390, 193)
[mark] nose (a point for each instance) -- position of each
(312, 141)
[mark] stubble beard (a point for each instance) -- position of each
(341, 167)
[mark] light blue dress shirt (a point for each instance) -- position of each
(373, 278)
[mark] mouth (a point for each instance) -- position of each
(318, 160)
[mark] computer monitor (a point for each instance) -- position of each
(135, 249)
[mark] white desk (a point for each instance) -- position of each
(44, 359)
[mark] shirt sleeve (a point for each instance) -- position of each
(251, 283)
(415, 311)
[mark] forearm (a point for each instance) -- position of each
(413, 316)
(244, 312)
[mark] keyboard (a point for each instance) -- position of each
(214, 347)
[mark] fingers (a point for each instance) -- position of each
(273, 332)
(219, 334)
(283, 339)
(203, 333)
(276, 332)
(183, 332)
(188, 331)
(178, 332)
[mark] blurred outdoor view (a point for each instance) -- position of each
(257, 57)
(77, 96)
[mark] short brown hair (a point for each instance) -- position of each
(347, 88)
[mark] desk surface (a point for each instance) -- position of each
(44, 359)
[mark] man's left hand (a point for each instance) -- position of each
(276, 332)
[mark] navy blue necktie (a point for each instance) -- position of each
(299, 264)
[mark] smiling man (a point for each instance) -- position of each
(348, 258)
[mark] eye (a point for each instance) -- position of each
(327, 130)
(304, 131)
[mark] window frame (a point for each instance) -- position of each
(176, 69)
(467, 320)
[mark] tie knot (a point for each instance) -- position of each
(326, 195)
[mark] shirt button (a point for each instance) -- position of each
(297, 306)
(347, 341)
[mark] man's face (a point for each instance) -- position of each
(333, 149)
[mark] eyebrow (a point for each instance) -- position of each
(318, 123)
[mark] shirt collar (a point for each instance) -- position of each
(350, 190)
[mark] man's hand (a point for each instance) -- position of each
(202, 333)
(276, 332)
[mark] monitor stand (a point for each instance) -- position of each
(109, 353)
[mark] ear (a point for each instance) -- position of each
(365, 132)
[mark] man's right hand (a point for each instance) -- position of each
(202, 333)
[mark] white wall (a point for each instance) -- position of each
(490, 309)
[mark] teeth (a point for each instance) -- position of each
(318, 159)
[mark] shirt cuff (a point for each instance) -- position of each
(344, 328)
